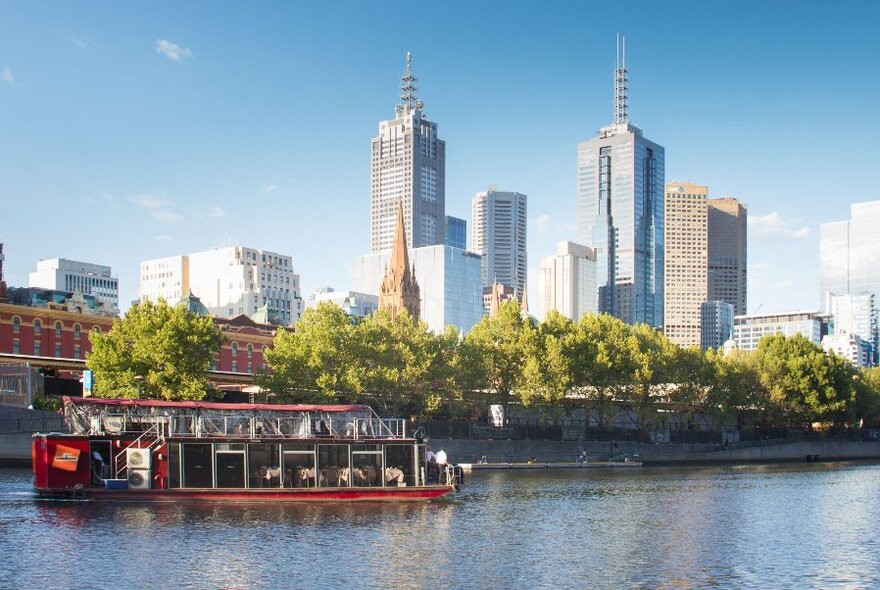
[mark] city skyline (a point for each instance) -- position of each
(150, 136)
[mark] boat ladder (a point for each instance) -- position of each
(153, 437)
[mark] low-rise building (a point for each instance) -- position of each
(749, 329)
(60, 274)
(849, 346)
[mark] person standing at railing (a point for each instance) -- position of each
(442, 466)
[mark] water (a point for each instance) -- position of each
(741, 527)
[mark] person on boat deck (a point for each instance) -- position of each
(442, 462)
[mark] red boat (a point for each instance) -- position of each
(159, 451)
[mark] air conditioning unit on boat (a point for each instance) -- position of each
(139, 479)
(138, 458)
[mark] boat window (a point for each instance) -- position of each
(264, 466)
(298, 468)
(197, 466)
(399, 467)
(366, 467)
(230, 468)
(334, 466)
(173, 465)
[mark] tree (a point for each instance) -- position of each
(156, 352)
(316, 363)
(546, 375)
(395, 359)
(499, 346)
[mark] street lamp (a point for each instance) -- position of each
(138, 379)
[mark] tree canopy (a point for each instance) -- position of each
(155, 351)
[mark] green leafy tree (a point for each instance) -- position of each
(317, 362)
(499, 346)
(546, 375)
(867, 401)
(652, 356)
(395, 361)
(805, 383)
(734, 385)
(156, 351)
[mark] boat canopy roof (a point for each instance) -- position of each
(204, 419)
(190, 405)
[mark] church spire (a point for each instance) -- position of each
(399, 289)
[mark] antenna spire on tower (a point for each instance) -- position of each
(621, 81)
(408, 99)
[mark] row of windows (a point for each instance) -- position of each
(38, 327)
(38, 349)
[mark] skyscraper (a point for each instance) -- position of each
(567, 281)
(456, 232)
(849, 252)
(727, 253)
(408, 167)
(686, 261)
(620, 212)
(498, 234)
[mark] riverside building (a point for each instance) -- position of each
(229, 281)
(686, 262)
(408, 167)
(61, 274)
(499, 236)
(749, 329)
(620, 212)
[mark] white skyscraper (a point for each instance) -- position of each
(567, 281)
(82, 277)
(408, 166)
(229, 281)
(498, 234)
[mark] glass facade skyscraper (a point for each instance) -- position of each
(620, 213)
(456, 232)
(849, 252)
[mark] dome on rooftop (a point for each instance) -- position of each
(194, 305)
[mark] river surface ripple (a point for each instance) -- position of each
(789, 526)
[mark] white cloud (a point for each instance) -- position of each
(83, 42)
(270, 188)
(169, 217)
(172, 50)
(214, 213)
(773, 225)
(163, 238)
(148, 201)
(7, 77)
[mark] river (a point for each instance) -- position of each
(804, 525)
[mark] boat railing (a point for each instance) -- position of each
(148, 439)
(247, 425)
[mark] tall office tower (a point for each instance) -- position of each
(727, 253)
(82, 277)
(456, 232)
(408, 167)
(229, 281)
(686, 261)
(567, 281)
(620, 212)
(498, 234)
(849, 252)
(856, 315)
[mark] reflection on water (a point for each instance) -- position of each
(756, 526)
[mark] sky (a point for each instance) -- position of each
(133, 131)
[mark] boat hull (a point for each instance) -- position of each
(250, 496)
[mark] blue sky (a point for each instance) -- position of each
(135, 131)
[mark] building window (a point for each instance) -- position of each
(96, 328)
(57, 329)
(38, 327)
(250, 351)
(235, 366)
(16, 346)
(234, 350)
(250, 367)
(16, 325)
(58, 350)
(77, 352)
(38, 349)
(77, 331)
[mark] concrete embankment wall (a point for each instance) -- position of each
(516, 451)
(16, 429)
